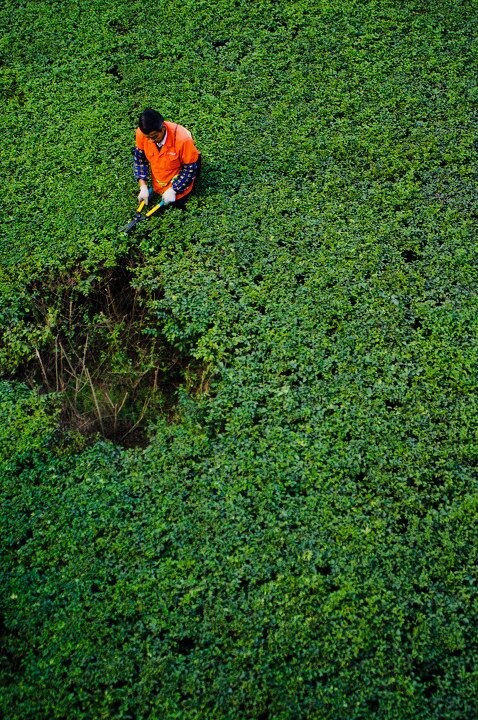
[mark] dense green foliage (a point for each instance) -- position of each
(300, 539)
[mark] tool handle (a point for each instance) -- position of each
(156, 207)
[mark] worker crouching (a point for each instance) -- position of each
(165, 152)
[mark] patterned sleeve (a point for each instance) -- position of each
(140, 165)
(185, 177)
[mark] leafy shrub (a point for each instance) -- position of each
(301, 541)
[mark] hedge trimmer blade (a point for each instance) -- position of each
(132, 223)
(138, 216)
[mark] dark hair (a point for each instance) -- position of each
(150, 121)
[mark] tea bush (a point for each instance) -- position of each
(299, 539)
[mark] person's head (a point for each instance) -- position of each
(150, 122)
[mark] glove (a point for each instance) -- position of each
(169, 196)
(143, 194)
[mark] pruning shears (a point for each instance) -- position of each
(139, 216)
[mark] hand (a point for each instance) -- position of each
(169, 196)
(144, 194)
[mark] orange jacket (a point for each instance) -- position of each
(166, 162)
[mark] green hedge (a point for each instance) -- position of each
(298, 540)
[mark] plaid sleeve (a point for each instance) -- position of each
(185, 177)
(140, 165)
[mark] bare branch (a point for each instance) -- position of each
(95, 400)
(43, 371)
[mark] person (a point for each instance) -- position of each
(166, 153)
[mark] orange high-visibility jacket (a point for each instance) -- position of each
(166, 162)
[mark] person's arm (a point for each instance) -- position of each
(141, 167)
(141, 173)
(185, 177)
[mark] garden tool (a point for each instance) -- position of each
(139, 216)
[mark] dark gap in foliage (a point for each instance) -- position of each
(235, 294)
(10, 662)
(185, 646)
(402, 524)
(120, 684)
(113, 621)
(457, 652)
(409, 256)
(429, 677)
(117, 27)
(28, 535)
(244, 584)
(430, 690)
(104, 357)
(115, 72)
